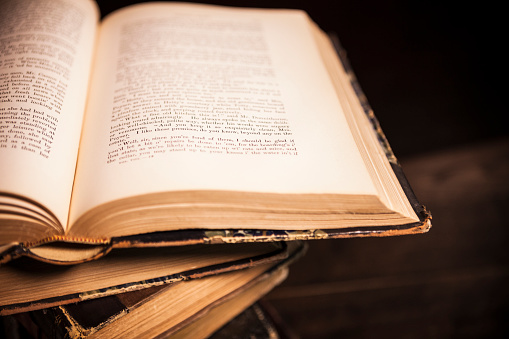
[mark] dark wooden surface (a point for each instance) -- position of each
(452, 282)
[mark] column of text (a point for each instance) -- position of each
(196, 85)
(36, 54)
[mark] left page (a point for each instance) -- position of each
(46, 52)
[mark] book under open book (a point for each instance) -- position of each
(31, 285)
(181, 309)
(173, 123)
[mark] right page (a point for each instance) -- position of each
(203, 98)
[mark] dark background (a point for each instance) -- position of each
(434, 73)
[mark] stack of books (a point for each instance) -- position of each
(162, 168)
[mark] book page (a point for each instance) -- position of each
(45, 59)
(190, 97)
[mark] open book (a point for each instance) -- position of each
(174, 123)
